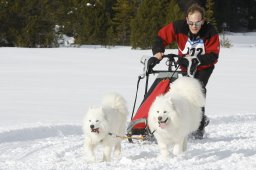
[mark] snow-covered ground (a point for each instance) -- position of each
(246, 39)
(44, 94)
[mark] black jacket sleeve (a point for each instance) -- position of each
(158, 46)
(207, 59)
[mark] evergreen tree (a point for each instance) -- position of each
(252, 15)
(209, 12)
(9, 22)
(92, 21)
(110, 31)
(174, 12)
(151, 16)
(62, 16)
(124, 12)
(110, 37)
(149, 19)
(28, 23)
(39, 25)
(95, 25)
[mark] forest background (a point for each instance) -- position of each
(135, 23)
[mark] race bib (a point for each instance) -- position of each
(194, 48)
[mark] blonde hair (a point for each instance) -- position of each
(195, 7)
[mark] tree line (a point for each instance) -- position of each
(41, 23)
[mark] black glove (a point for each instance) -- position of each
(182, 61)
(152, 62)
(194, 65)
(158, 46)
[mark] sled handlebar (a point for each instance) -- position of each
(170, 56)
(149, 63)
(191, 69)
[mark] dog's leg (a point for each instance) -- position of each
(90, 152)
(107, 152)
(117, 149)
(164, 154)
(185, 144)
(180, 146)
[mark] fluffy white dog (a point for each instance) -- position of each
(102, 124)
(173, 116)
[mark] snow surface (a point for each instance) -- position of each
(44, 94)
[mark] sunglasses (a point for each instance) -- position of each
(197, 24)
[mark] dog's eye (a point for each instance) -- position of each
(165, 111)
(89, 120)
(97, 120)
(157, 111)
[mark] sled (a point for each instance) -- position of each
(161, 85)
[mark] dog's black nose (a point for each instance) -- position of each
(91, 126)
(160, 118)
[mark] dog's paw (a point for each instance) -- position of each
(91, 159)
(177, 149)
(163, 157)
(106, 160)
(117, 154)
(176, 152)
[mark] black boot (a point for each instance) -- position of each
(199, 133)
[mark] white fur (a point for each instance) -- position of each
(182, 106)
(109, 118)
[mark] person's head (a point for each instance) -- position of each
(195, 18)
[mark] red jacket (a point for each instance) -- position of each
(205, 45)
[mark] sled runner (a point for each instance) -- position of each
(138, 124)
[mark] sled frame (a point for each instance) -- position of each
(172, 73)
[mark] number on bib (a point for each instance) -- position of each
(194, 48)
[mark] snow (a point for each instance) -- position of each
(241, 39)
(45, 93)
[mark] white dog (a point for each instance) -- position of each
(102, 124)
(173, 116)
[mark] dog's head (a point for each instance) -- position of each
(95, 121)
(162, 111)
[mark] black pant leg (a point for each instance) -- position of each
(203, 76)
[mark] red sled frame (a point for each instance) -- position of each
(138, 124)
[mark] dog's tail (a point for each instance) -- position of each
(190, 88)
(115, 101)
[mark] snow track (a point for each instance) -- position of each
(230, 144)
(44, 94)
(27, 134)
